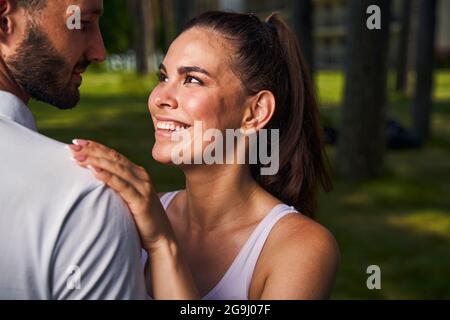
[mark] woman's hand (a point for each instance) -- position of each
(133, 184)
(169, 274)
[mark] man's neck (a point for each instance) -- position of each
(8, 84)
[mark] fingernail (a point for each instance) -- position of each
(73, 147)
(90, 167)
(80, 142)
(80, 158)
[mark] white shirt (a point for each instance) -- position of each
(63, 234)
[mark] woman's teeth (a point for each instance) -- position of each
(170, 125)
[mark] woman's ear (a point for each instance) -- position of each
(259, 111)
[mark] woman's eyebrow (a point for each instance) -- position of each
(184, 70)
(162, 67)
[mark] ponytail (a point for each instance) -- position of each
(303, 163)
(269, 58)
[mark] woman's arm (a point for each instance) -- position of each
(302, 259)
(169, 273)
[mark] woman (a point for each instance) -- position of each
(232, 233)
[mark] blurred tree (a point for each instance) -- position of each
(162, 29)
(183, 10)
(232, 5)
(421, 111)
(402, 57)
(143, 32)
(208, 5)
(361, 142)
(115, 25)
(302, 13)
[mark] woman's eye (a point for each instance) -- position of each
(162, 77)
(190, 79)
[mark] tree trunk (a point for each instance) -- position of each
(183, 13)
(421, 111)
(161, 30)
(402, 57)
(143, 33)
(302, 20)
(361, 143)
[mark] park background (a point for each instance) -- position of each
(384, 98)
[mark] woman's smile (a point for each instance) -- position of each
(166, 126)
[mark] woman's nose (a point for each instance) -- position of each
(165, 98)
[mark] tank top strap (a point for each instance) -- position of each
(255, 244)
(167, 198)
(236, 281)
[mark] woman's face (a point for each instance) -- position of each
(196, 85)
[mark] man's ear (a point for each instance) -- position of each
(259, 111)
(6, 21)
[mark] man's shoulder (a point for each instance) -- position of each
(42, 169)
(42, 159)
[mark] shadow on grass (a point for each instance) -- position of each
(400, 222)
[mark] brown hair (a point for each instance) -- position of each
(269, 58)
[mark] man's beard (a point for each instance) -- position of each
(42, 72)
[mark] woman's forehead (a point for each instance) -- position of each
(201, 47)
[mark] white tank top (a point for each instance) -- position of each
(235, 283)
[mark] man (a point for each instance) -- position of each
(63, 235)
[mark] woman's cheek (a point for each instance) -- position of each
(200, 107)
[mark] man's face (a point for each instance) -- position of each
(50, 59)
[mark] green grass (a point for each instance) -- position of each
(400, 221)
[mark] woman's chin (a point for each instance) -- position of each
(163, 154)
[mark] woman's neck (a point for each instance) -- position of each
(218, 195)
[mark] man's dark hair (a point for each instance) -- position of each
(32, 4)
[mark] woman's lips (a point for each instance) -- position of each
(167, 128)
(171, 125)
